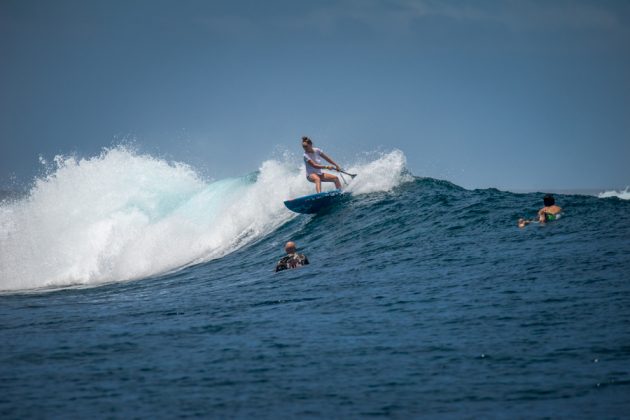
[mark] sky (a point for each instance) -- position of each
(519, 95)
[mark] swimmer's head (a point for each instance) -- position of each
(290, 247)
(307, 144)
(549, 200)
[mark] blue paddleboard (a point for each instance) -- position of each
(314, 202)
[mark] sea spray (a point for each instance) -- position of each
(90, 220)
(624, 195)
(382, 174)
(123, 215)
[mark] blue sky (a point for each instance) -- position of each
(508, 94)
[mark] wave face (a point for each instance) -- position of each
(421, 298)
(122, 216)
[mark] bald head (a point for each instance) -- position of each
(290, 247)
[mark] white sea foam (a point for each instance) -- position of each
(624, 195)
(122, 215)
(381, 174)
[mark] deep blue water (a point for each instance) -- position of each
(423, 301)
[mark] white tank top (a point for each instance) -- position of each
(315, 157)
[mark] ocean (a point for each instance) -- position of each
(134, 287)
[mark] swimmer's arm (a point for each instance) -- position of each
(315, 165)
(325, 156)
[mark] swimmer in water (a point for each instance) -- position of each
(548, 213)
(292, 259)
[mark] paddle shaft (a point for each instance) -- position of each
(340, 170)
(344, 172)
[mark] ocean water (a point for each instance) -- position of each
(133, 287)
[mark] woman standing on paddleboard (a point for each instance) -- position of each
(312, 161)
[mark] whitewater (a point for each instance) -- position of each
(123, 215)
(135, 287)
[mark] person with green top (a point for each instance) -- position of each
(548, 213)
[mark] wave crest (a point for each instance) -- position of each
(123, 215)
(624, 195)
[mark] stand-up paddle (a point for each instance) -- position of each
(344, 172)
(341, 171)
